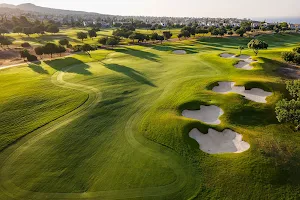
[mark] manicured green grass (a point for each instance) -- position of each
(128, 140)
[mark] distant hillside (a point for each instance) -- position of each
(48, 11)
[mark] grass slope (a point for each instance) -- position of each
(129, 140)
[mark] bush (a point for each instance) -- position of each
(297, 59)
(288, 56)
(77, 48)
(289, 111)
(25, 45)
(64, 42)
(297, 49)
(103, 40)
(31, 58)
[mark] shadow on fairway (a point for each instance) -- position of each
(253, 116)
(79, 66)
(170, 48)
(138, 53)
(37, 68)
(137, 76)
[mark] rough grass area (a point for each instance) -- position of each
(111, 125)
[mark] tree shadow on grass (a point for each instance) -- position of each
(79, 67)
(37, 68)
(253, 116)
(138, 53)
(137, 76)
(170, 48)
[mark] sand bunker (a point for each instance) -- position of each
(244, 62)
(255, 94)
(227, 55)
(179, 52)
(206, 114)
(215, 142)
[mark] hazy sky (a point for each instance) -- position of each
(191, 8)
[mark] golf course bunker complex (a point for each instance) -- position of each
(179, 52)
(254, 94)
(227, 55)
(207, 114)
(215, 142)
(244, 62)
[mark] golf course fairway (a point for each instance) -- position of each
(110, 125)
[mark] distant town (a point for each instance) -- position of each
(86, 19)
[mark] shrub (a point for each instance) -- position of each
(31, 58)
(77, 48)
(25, 45)
(288, 56)
(297, 49)
(289, 111)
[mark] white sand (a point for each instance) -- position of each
(255, 94)
(179, 52)
(244, 62)
(206, 114)
(215, 142)
(227, 55)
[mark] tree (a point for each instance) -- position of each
(92, 33)
(289, 110)
(25, 45)
(256, 45)
(24, 53)
(132, 37)
(27, 31)
(52, 29)
(60, 49)
(167, 34)
(3, 30)
(241, 32)
(186, 34)
(50, 48)
(160, 38)
(297, 49)
(81, 36)
(87, 48)
(5, 41)
(241, 48)
(215, 32)
(39, 51)
(230, 33)
(17, 29)
(179, 36)
(64, 42)
(288, 56)
(103, 40)
(31, 58)
(112, 41)
(154, 36)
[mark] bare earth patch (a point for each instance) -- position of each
(215, 142)
(179, 52)
(206, 114)
(255, 94)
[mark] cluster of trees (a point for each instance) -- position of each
(193, 29)
(23, 25)
(140, 37)
(84, 35)
(111, 41)
(49, 49)
(4, 41)
(289, 110)
(292, 56)
(25, 54)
